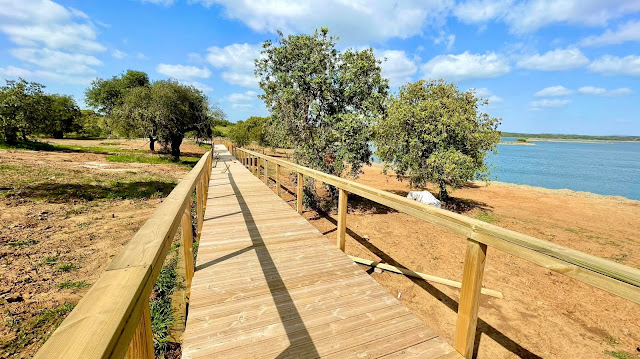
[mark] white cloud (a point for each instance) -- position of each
(45, 23)
(354, 21)
(533, 14)
(118, 54)
(553, 91)
(548, 103)
(466, 66)
(14, 72)
(141, 56)
(237, 62)
(58, 61)
(613, 65)
(199, 85)
(396, 66)
(479, 11)
(486, 94)
(244, 101)
(555, 60)
(629, 31)
(182, 72)
(599, 91)
(446, 39)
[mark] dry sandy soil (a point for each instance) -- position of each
(63, 217)
(543, 314)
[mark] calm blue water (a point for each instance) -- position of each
(604, 168)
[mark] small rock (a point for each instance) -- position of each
(14, 298)
(399, 295)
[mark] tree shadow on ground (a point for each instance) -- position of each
(454, 204)
(67, 192)
(482, 327)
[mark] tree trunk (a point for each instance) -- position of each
(152, 144)
(11, 136)
(58, 134)
(444, 195)
(176, 141)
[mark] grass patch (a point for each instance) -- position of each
(617, 354)
(134, 158)
(35, 330)
(161, 308)
(73, 285)
(67, 267)
(487, 217)
(21, 244)
(109, 143)
(50, 260)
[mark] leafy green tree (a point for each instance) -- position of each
(62, 115)
(238, 134)
(433, 132)
(91, 124)
(22, 109)
(322, 100)
(178, 109)
(125, 101)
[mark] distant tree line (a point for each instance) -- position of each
(569, 137)
(331, 106)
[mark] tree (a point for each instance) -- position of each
(62, 115)
(178, 109)
(21, 109)
(238, 134)
(433, 132)
(322, 100)
(124, 100)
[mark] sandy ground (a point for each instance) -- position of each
(56, 210)
(543, 314)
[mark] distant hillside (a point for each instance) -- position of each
(569, 137)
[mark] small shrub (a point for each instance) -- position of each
(73, 285)
(486, 217)
(67, 267)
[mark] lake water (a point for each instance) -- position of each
(611, 168)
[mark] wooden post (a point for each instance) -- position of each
(342, 218)
(185, 268)
(187, 244)
(266, 172)
(278, 179)
(141, 346)
(469, 297)
(199, 207)
(299, 191)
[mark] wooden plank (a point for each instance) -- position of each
(470, 297)
(342, 218)
(278, 180)
(300, 192)
(427, 277)
(141, 346)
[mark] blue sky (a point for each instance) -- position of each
(569, 66)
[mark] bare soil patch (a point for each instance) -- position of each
(63, 217)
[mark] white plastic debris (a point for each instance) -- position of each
(424, 197)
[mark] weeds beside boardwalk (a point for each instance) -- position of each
(66, 210)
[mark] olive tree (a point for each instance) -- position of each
(433, 132)
(62, 115)
(322, 100)
(22, 109)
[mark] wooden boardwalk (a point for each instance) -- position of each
(269, 285)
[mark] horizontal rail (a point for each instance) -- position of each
(610, 276)
(103, 323)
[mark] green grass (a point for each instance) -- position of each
(21, 244)
(67, 267)
(487, 217)
(73, 285)
(617, 354)
(37, 329)
(133, 158)
(50, 260)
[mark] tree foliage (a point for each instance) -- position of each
(254, 129)
(322, 101)
(433, 132)
(22, 109)
(62, 115)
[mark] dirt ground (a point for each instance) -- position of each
(543, 314)
(63, 217)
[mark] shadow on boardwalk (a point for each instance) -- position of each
(291, 319)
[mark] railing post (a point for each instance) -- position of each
(141, 346)
(278, 179)
(469, 297)
(199, 206)
(266, 172)
(342, 218)
(180, 297)
(299, 192)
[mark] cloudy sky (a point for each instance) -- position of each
(561, 66)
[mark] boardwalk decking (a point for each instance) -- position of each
(269, 285)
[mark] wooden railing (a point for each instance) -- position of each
(112, 320)
(618, 279)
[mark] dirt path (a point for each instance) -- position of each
(543, 314)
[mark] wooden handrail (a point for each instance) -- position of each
(116, 307)
(615, 278)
